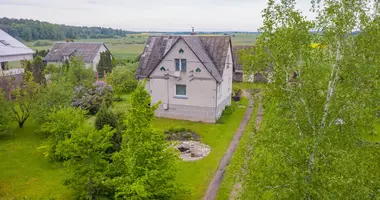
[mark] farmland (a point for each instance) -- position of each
(132, 45)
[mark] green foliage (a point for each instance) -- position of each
(227, 112)
(5, 115)
(123, 78)
(36, 67)
(41, 53)
(310, 146)
(147, 163)
(78, 74)
(86, 160)
(57, 128)
(23, 99)
(37, 30)
(40, 43)
(105, 64)
(51, 97)
(91, 98)
(105, 117)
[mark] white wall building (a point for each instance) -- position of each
(190, 75)
(89, 51)
(12, 50)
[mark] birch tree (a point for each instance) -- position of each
(321, 104)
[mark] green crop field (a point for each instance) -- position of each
(132, 45)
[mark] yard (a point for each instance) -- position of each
(25, 173)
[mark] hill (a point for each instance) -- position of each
(29, 30)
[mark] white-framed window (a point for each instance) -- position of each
(180, 90)
(180, 65)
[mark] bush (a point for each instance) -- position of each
(181, 133)
(40, 43)
(227, 112)
(5, 115)
(57, 128)
(91, 98)
(123, 78)
(104, 117)
(53, 96)
(237, 95)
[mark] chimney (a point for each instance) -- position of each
(192, 31)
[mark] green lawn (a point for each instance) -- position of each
(24, 172)
(197, 175)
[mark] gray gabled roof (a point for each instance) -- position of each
(87, 50)
(9, 46)
(211, 51)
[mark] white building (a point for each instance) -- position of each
(190, 75)
(89, 51)
(12, 50)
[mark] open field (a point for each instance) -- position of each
(132, 45)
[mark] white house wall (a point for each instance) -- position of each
(10, 58)
(224, 98)
(97, 58)
(200, 102)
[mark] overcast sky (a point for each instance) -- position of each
(145, 15)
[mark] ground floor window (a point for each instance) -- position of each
(180, 90)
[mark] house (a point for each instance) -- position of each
(239, 75)
(12, 50)
(191, 75)
(89, 51)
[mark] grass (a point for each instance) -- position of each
(197, 175)
(24, 172)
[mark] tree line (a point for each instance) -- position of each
(29, 30)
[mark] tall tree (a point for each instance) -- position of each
(105, 64)
(36, 67)
(146, 162)
(322, 102)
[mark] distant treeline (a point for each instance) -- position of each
(29, 30)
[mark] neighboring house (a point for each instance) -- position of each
(239, 75)
(12, 50)
(89, 51)
(190, 75)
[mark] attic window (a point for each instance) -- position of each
(181, 51)
(162, 68)
(198, 70)
(4, 42)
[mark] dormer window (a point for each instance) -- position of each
(180, 65)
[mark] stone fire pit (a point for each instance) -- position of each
(192, 150)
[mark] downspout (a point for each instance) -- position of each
(167, 92)
(216, 101)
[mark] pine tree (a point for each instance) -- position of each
(105, 64)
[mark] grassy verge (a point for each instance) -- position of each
(24, 172)
(237, 160)
(197, 175)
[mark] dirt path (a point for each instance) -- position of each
(214, 185)
(238, 185)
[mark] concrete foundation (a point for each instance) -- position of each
(193, 113)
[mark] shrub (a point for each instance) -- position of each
(181, 133)
(104, 117)
(5, 115)
(237, 95)
(91, 98)
(57, 128)
(123, 78)
(53, 96)
(227, 112)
